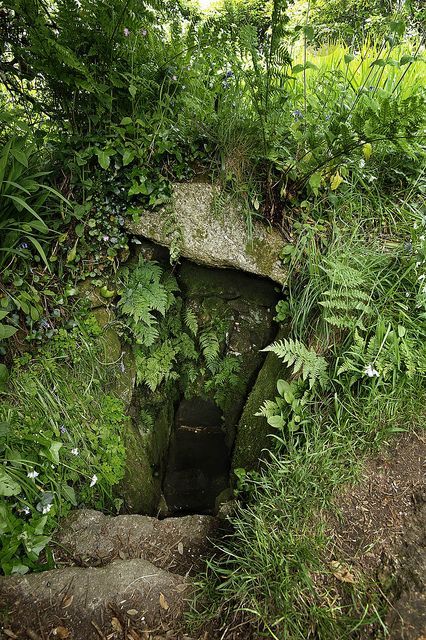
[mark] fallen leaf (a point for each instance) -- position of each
(180, 548)
(10, 634)
(131, 633)
(341, 572)
(116, 625)
(67, 601)
(163, 602)
(123, 555)
(62, 632)
(132, 612)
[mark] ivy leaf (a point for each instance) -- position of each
(128, 156)
(132, 90)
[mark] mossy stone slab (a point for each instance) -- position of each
(205, 236)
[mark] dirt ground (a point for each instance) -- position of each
(379, 536)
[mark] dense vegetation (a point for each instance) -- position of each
(311, 121)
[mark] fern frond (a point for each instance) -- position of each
(210, 348)
(190, 320)
(295, 354)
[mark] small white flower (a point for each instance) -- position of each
(93, 480)
(422, 277)
(46, 509)
(422, 238)
(371, 371)
(32, 474)
(74, 451)
(26, 510)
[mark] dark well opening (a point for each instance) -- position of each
(198, 460)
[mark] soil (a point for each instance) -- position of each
(379, 536)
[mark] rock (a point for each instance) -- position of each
(89, 602)
(252, 430)
(147, 442)
(176, 544)
(213, 239)
(139, 488)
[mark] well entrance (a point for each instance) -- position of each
(198, 462)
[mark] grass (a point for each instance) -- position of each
(272, 569)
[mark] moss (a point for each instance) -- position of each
(260, 251)
(252, 430)
(139, 488)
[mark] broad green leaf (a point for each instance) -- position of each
(276, 421)
(103, 159)
(54, 451)
(315, 181)
(336, 181)
(126, 120)
(19, 155)
(309, 32)
(69, 494)
(297, 68)
(8, 486)
(348, 58)
(3, 314)
(367, 150)
(6, 331)
(72, 253)
(132, 90)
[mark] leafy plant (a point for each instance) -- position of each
(25, 201)
(59, 447)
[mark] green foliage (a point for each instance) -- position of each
(26, 203)
(147, 291)
(294, 353)
(60, 443)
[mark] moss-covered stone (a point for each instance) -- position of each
(139, 488)
(252, 431)
(214, 240)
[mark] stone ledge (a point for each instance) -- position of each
(211, 238)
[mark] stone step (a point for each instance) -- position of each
(178, 545)
(127, 598)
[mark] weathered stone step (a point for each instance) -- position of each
(130, 598)
(90, 538)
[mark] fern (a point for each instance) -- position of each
(345, 303)
(157, 366)
(191, 321)
(306, 361)
(210, 348)
(147, 292)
